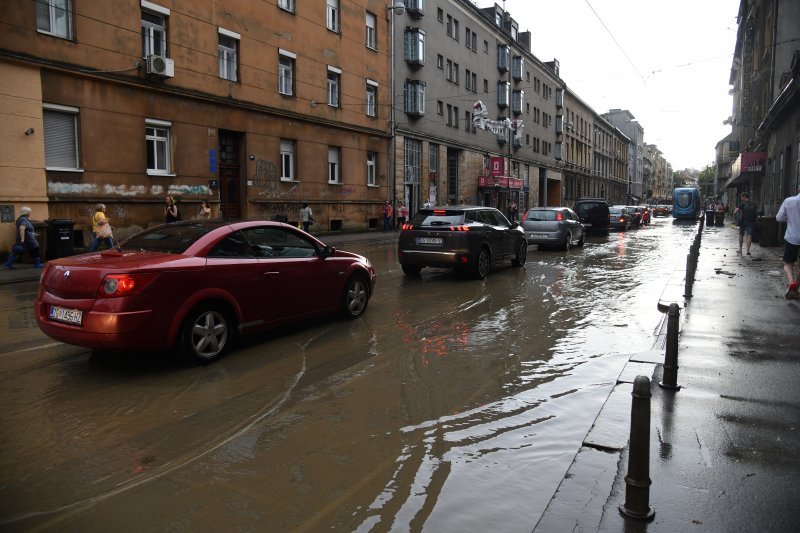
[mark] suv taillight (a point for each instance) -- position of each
(459, 228)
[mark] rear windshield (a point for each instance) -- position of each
(587, 208)
(615, 210)
(542, 216)
(169, 239)
(438, 218)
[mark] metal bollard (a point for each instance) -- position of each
(670, 380)
(687, 291)
(637, 482)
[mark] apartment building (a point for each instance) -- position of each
(257, 107)
(595, 155)
(765, 75)
(476, 109)
(626, 122)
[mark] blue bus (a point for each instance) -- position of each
(686, 203)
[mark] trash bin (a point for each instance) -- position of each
(768, 231)
(60, 238)
(719, 218)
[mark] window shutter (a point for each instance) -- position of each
(59, 140)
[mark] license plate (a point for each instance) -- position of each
(429, 240)
(536, 235)
(70, 316)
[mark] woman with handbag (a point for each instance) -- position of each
(101, 228)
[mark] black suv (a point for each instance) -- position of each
(593, 213)
(466, 238)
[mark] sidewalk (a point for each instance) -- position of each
(723, 448)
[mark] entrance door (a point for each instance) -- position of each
(230, 184)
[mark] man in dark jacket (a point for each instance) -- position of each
(25, 240)
(746, 214)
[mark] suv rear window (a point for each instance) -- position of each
(438, 218)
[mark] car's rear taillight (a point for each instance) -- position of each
(460, 228)
(117, 285)
(406, 226)
(559, 217)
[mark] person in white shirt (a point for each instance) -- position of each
(790, 213)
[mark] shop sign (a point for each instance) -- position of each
(486, 181)
(499, 166)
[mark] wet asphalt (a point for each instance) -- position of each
(722, 448)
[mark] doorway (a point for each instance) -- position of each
(230, 183)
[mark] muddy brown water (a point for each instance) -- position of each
(451, 405)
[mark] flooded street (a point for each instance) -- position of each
(451, 405)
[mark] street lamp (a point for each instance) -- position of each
(397, 8)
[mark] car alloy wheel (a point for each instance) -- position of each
(482, 264)
(522, 254)
(567, 242)
(205, 335)
(356, 297)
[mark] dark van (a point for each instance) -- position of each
(593, 213)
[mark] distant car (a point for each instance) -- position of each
(593, 213)
(634, 213)
(197, 285)
(661, 210)
(553, 226)
(619, 218)
(465, 238)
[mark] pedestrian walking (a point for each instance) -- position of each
(513, 209)
(789, 212)
(171, 213)
(387, 216)
(746, 214)
(402, 215)
(25, 240)
(306, 217)
(101, 229)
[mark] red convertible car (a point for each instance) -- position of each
(196, 285)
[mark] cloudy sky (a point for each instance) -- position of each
(668, 63)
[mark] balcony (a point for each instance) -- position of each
(518, 68)
(414, 98)
(503, 94)
(517, 102)
(503, 57)
(414, 47)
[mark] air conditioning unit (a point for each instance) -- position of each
(160, 66)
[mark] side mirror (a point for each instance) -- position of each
(328, 251)
(514, 225)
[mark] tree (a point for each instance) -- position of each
(705, 181)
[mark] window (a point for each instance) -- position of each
(286, 72)
(449, 26)
(468, 79)
(439, 107)
(455, 73)
(485, 85)
(370, 39)
(467, 120)
(54, 17)
(334, 76)
(228, 55)
(154, 31)
(412, 160)
(503, 57)
(449, 72)
(449, 115)
(333, 164)
(60, 137)
(440, 61)
(414, 97)
(372, 164)
(157, 138)
(287, 5)
(287, 160)
(333, 15)
(503, 90)
(455, 29)
(372, 98)
(415, 46)
(474, 82)
(439, 14)
(486, 47)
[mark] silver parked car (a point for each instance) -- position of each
(553, 226)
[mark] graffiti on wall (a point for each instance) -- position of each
(56, 187)
(124, 190)
(189, 190)
(267, 179)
